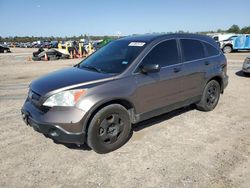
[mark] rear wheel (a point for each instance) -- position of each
(109, 129)
(210, 97)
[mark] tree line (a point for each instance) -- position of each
(52, 38)
(233, 29)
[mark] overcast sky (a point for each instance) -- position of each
(108, 17)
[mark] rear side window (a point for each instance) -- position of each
(164, 54)
(192, 49)
(211, 51)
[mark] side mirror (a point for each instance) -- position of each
(150, 68)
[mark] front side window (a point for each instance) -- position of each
(164, 54)
(192, 49)
(113, 58)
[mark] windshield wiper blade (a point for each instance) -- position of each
(91, 68)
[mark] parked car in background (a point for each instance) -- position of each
(246, 66)
(26, 45)
(4, 49)
(36, 45)
(11, 44)
(52, 54)
(126, 81)
(235, 43)
(220, 37)
(54, 44)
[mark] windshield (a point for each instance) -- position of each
(231, 38)
(115, 57)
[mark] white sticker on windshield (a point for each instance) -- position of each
(140, 44)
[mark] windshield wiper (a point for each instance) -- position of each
(91, 68)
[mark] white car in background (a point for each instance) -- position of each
(221, 37)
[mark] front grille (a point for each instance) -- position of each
(34, 98)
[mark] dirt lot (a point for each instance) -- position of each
(185, 148)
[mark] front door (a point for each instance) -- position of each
(159, 89)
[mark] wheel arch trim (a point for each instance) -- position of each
(126, 103)
(219, 79)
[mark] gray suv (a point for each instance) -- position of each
(127, 81)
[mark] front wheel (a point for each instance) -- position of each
(109, 129)
(227, 49)
(210, 96)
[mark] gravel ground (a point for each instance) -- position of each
(184, 148)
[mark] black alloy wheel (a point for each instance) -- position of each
(109, 128)
(210, 96)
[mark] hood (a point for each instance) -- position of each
(65, 78)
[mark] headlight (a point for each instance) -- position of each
(65, 98)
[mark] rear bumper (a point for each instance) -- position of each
(62, 124)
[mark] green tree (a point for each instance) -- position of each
(220, 31)
(234, 29)
(245, 30)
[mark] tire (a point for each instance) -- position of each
(227, 49)
(109, 129)
(210, 96)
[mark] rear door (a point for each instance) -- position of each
(156, 90)
(194, 67)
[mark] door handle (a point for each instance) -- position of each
(207, 63)
(177, 69)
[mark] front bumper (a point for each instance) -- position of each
(62, 124)
(246, 68)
